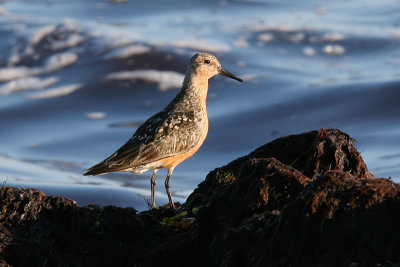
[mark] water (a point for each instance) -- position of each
(306, 64)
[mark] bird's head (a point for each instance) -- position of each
(207, 65)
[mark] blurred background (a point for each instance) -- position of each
(78, 77)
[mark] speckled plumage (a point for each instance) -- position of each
(172, 135)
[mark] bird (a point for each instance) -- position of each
(172, 135)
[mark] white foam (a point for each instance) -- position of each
(111, 37)
(26, 83)
(96, 115)
(265, 37)
(70, 24)
(29, 50)
(333, 37)
(165, 79)
(59, 61)
(309, 51)
(71, 41)
(56, 92)
(334, 50)
(40, 33)
(55, 62)
(118, 42)
(128, 51)
(202, 45)
(11, 73)
(15, 56)
(113, 41)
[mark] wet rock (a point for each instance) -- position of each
(301, 200)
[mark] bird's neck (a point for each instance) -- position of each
(195, 88)
(193, 95)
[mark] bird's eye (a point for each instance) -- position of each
(207, 61)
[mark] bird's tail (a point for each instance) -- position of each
(99, 168)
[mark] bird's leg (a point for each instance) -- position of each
(171, 203)
(153, 185)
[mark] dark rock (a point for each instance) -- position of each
(301, 200)
(316, 152)
(339, 221)
(313, 153)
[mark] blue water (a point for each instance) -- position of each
(306, 65)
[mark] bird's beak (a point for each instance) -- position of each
(228, 74)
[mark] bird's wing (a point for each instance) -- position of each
(163, 135)
(176, 136)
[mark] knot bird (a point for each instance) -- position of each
(174, 134)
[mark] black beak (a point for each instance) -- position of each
(228, 74)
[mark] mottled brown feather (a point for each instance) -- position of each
(176, 132)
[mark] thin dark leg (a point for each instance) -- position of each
(153, 185)
(171, 203)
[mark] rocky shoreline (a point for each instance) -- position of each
(301, 200)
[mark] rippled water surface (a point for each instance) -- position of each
(78, 77)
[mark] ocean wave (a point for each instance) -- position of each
(10, 73)
(165, 79)
(59, 61)
(40, 33)
(202, 45)
(72, 41)
(26, 83)
(56, 92)
(53, 63)
(127, 51)
(334, 50)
